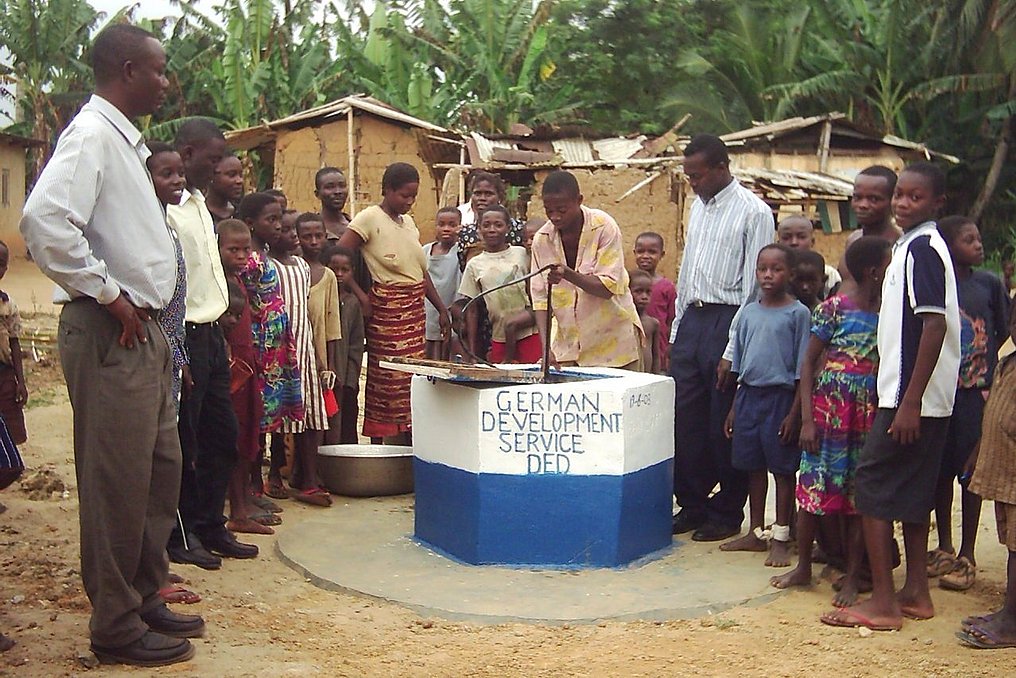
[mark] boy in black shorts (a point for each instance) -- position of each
(919, 358)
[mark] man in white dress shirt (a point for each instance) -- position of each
(727, 228)
(94, 225)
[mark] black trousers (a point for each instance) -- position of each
(701, 450)
(208, 432)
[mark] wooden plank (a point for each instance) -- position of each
(440, 369)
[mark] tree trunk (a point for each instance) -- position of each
(997, 161)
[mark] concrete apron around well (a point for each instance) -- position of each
(546, 503)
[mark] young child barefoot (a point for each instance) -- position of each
(769, 346)
(919, 358)
(663, 293)
(499, 263)
(443, 267)
(641, 285)
(838, 402)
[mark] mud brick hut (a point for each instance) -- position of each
(359, 135)
(796, 165)
(13, 149)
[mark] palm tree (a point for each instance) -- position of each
(46, 73)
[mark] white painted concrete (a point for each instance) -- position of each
(610, 426)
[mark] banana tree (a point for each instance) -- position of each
(45, 72)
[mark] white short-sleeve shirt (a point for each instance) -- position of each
(920, 279)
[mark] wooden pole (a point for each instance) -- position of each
(546, 339)
(351, 177)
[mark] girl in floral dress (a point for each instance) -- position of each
(838, 404)
(274, 347)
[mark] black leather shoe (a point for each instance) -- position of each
(225, 544)
(685, 522)
(197, 554)
(163, 620)
(151, 649)
(713, 532)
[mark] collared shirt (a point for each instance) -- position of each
(207, 297)
(591, 331)
(93, 223)
(724, 238)
(920, 279)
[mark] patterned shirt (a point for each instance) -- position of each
(723, 240)
(591, 331)
(10, 327)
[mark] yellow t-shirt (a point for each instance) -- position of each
(392, 250)
(486, 271)
(323, 312)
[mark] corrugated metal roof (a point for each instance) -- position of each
(572, 151)
(841, 126)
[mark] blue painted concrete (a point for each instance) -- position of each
(552, 520)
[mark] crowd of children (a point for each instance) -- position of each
(850, 414)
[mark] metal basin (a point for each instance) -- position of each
(366, 470)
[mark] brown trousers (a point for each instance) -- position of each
(127, 462)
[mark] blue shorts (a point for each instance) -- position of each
(758, 413)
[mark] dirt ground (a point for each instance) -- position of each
(265, 620)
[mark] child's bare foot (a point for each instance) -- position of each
(860, 615)
(748, 542)
(915, 606)
(796, 577)
(847, 593)
(779, 554)
(248, 526)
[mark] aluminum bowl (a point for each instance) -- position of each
(366, 470)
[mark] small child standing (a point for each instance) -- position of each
(809, 278)
(308, 431)
(994, 477)
(919, 359)
(640, 283)
(166, 167)
(984, 312)
(323, 309)
(499, 263)
(13, 389)
(443, 266)
(769, 348)
(797, 233)
(648, 253)
(348, 350)
(518, 324)
(838, 403)
(274, 348)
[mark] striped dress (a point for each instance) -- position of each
(294, 281)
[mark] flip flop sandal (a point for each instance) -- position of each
(276, 490)
(178, 594)
(990, 641)
(940, 562)
(267, 519)
(315, 497)
(266, 504)
(849, 618)
(961, 577)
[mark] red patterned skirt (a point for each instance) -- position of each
(395, 329)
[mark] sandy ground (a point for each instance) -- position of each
(266, 620)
